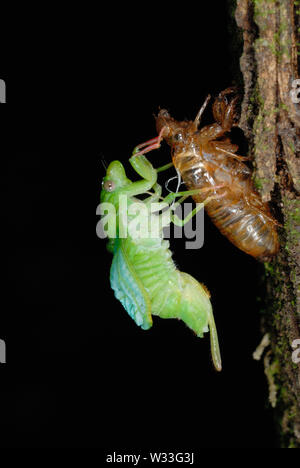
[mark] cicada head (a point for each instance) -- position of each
(114, 180)
(177, 134)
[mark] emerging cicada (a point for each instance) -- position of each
(143, 275)
(206, 158)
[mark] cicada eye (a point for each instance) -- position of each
(178, 137)
(109, 186)
(164, 113)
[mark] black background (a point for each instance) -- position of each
(79, 372)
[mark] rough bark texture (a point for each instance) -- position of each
(271, 122)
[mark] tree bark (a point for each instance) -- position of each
(270, 120)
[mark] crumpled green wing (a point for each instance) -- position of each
(129, 290)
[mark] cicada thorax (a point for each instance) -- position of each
(239, 213)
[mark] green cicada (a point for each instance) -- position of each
(143, 275)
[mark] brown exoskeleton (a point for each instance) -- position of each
(206, 158)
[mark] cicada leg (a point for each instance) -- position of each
(225, 108)
(157, 188)
(149, 145)
(155, 197)
(181, 222)
(145, 169)
(184, 195)
(164, 168)
(233, 155)
(149, 177)
(187, 193)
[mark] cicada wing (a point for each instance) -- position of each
(129, 289)
(214, 342)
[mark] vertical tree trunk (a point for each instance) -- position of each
(271, 122)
